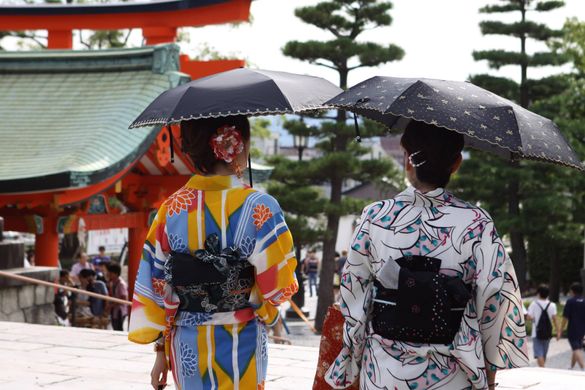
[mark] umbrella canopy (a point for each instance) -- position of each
(238, 92)
(488, 121)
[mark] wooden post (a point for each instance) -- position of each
(157, 35)
(60, 39)
(136, 238)
(47, 243)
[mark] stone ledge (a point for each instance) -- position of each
(48, 274)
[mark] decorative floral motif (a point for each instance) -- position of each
(193, 318)
(261, 214)
(227, 143)
(158, 285)
(184, 199)
(188, 361)
(247, 245)
(177, 244)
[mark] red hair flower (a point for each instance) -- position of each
(227, 143)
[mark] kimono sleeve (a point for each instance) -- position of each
(498, 303)
(356, 299)
(273, 258)
(148, 321)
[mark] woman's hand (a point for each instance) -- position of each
(158, 375)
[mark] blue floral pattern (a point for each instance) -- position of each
(193, 318)
(189, 361)
(177, 244)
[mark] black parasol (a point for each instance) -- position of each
(488, 121)
(238, 92)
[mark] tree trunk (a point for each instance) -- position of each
(516, 235)
(554, 282)
(325, 289)
(328, 262)
(299, 297)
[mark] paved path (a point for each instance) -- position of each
(60, 358)
(51, 357)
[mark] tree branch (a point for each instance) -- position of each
(325, 65)
(127, 37)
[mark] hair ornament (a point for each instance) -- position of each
(414, 163)
(227, 143)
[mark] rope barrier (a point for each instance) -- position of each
(64, 287)
(129, 303)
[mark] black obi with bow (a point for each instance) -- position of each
(427, 307)
(212, 280)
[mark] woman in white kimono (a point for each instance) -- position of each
(429, 295)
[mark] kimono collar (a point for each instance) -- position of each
(214, 183)
(434, 198)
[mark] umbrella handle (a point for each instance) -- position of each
(358, 137)
(171, 146)
(250, 170)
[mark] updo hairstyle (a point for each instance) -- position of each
(196, 134)
(438, 150)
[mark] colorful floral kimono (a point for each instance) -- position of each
(463, 237)
(215, 350)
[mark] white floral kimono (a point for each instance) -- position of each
(464, 238)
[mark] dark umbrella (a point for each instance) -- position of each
(238, 92)
(487, 121)
(242, 91)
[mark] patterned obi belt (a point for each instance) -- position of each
(427, 307)
(212, 280)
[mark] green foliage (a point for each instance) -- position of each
(535, 189)
(259, 129)
(572, 43)
(342, 159)
(106, 39)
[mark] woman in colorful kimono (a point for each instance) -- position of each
(429, 295)
(217, 262)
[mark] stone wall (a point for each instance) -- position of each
(23, 302)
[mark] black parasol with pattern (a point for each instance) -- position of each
(241, 91)
(488, 121)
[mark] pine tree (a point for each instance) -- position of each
(508, 180)
(346, 20)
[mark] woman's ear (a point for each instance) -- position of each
(457, 164)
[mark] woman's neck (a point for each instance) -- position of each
(422, 187)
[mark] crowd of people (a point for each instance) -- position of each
(99, 275)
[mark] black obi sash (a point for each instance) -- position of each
(427, 307)
(212, 280)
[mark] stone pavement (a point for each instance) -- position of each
(55, 358)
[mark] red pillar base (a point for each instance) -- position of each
(47, 244)
(136, 238)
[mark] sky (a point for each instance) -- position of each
(438, 37)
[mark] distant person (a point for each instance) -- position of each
(81, 263)
(341, 263)
(101, 270)
(63, 297)
(96, 305)
(118, 289)
(574, 316)
(101, 256)
(30, 258)
(311, 269)
(542, 325)
(82, 303)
